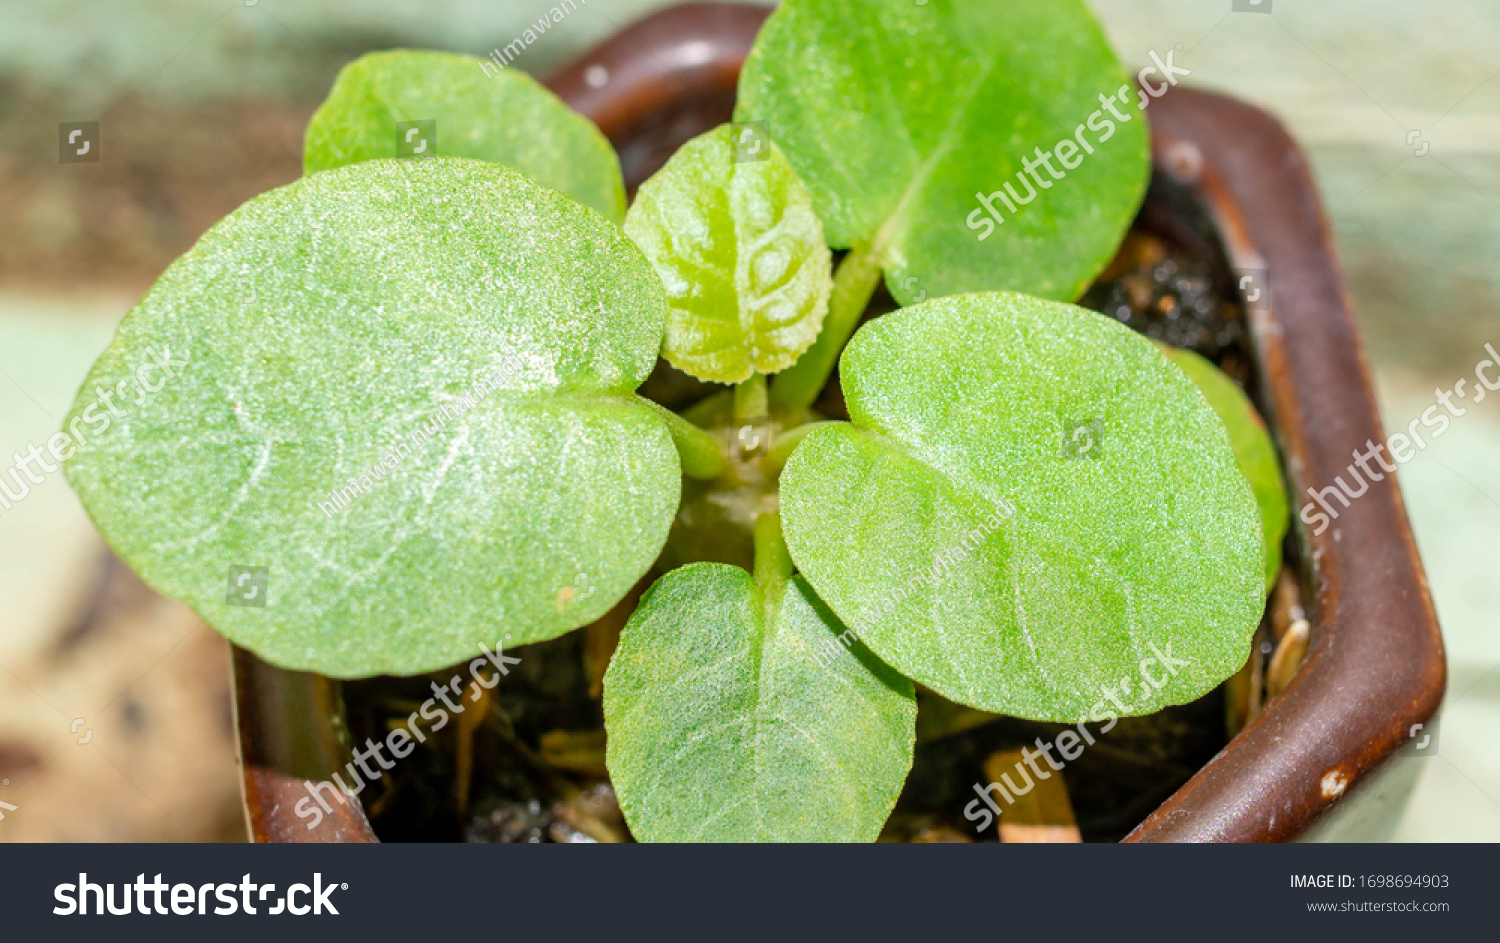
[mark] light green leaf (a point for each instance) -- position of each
(1032, 509)
(741, 254)
(503, 117)
(1253, 448)
(898, 116)
(725, 725)
(342, 334)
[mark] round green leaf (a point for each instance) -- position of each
(502, 116)
(1032, 512)
(741, 253)
(407, 401)
(725, 724)
(898, 116)
(1253, 448)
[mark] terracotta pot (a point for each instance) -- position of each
(1312, 764)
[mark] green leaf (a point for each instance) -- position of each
(341, 334)
(898, 116)
(504, 118)
(1031, 503)
(725, 725)
(741, 254)
(1253, 448)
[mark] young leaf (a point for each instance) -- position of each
(505, 118)
(1253, 448)
(419, 425)
(742, 256)
(899, 116)
(725, 725)
(1032, 512)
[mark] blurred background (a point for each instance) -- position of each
(115, 721)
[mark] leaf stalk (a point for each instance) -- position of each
(773, 562)
(798, 386)
(750, 400)
(701, 452)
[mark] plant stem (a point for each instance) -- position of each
(798, 385)
(785, 444)
(773, 562)
(701, 454)
(750, 397)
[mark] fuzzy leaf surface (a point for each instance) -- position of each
(392, 332)
(1030, 503)
(898, 115)
(505, 118)
(1252, 447)
(741, 254)
(724, 726)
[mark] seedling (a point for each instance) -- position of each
(412, 406)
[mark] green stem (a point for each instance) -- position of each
(798, 386)
(773, 562)
(701, 454)
(785, 444)
(750, 397)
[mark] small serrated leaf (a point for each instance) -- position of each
(741, 254)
